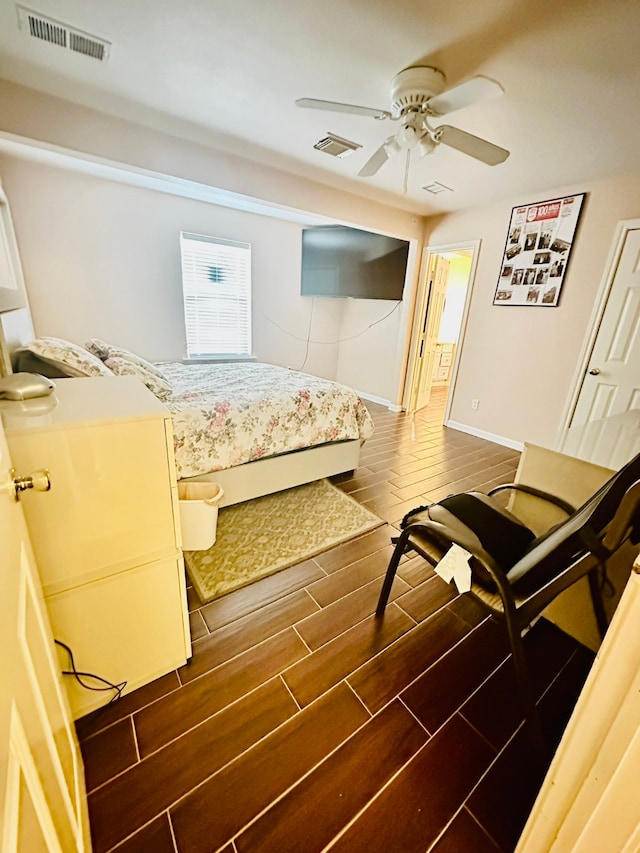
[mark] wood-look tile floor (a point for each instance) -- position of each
(301, 723)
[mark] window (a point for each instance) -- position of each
(216, 286)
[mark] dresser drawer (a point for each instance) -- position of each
(128, 627)
(110, 504)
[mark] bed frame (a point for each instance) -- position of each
(265, 476)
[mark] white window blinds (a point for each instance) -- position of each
(216, 285)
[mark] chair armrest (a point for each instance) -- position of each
(538, 493)
(622, 523)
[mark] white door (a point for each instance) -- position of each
(611, 383)
(42, 796)
(589, 800)
(429, 311)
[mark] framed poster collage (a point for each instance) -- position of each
(537, 251)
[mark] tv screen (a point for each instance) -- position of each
(341, 261)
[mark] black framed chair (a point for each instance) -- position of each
(516, 573)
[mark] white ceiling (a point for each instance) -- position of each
(227, 72)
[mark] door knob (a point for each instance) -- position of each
(594, 371)
(38, 480)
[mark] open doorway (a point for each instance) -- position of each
(439, 322)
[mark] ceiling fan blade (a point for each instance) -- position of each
(470, 92)
(472, 145)
(376, 162)
(336, 107)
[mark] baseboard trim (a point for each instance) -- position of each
(488, 436)
(380, 400)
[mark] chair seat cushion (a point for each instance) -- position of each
(479, 524)
(501, 534)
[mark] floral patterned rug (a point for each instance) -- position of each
(259, 537)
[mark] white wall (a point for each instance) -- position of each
(104, 209)
(520, 361)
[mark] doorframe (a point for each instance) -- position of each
(420, 309)
(623, 228)
(416, 322)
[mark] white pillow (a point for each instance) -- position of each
(104, 351)
(124, 367)
(71, 359)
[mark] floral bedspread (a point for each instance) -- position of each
(227, 414)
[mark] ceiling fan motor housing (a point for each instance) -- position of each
(413, 87)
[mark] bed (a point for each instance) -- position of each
(252, 427)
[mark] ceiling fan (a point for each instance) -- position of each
(418, 95)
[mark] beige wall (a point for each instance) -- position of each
(519, 362)
(102, 259)
(109, 235)
(36, 116)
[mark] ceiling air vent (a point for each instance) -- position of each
(336, 145)
(55, 32)
(436, 187)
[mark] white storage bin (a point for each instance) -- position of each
(199, 514)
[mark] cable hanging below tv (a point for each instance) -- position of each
(346, 262)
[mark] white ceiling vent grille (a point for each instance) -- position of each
(336, 146)
(55, 32)
(436, 188)
(87, 45)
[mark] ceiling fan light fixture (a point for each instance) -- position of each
(418, 93)
(427, 145)
(391, 146)
(407, 136)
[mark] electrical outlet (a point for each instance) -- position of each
(475, 404)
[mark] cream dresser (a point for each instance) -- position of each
(107, 535)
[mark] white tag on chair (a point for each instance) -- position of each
(454, 566)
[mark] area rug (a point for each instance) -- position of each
(259, 537)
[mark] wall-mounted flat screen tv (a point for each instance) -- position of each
(341, 261)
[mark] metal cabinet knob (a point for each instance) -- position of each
(38, 480)
(594, 371)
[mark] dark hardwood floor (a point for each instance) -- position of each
(301, 723)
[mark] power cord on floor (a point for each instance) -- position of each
(78, 675)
